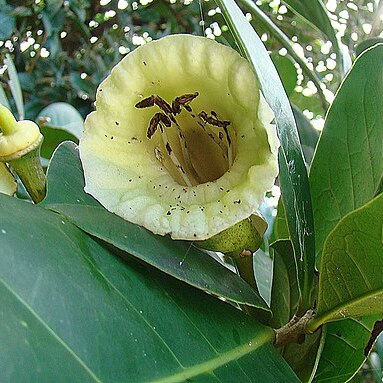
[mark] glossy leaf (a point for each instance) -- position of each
(287, 72)
(14, 84)
(180, 259)
(53, 137)
(350, 281)
(280, 229)
(7, 21)
(73, 312)
(64, 116)
(293, 175)
(263, 270)
(343, 353)
(59, 122)
(316, 14)
(285, 291)
(3, 98)
(361, 47)
(348, 165)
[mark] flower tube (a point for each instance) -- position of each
(182, 141)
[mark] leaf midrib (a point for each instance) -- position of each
(328, 315)
(220, 360)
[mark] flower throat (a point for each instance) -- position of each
(195, 147)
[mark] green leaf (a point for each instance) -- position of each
(293, 175)
(3, 98)
(348, 165)
(7, 22)
(263, 270)
(14, 84)
(287, 72)
(361, 47)
(59, 122)
(280, 229)
(65, 194)
(62, 115)
(344, 353)
(315, 13)
(285, 291)
(73, 312)
(52, 138)
(350, 281)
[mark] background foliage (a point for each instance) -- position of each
(63, 49)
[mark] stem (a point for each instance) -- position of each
(294, 331)
(30, 171)
(245, 267)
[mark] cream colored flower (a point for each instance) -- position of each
(8, 184)
(16, 137)
(182, 141)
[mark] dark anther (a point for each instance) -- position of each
(155, 121)
(145, 103)
(155, 100)
(162, 104)
(213, 120)
(165, 120)
(184, 101)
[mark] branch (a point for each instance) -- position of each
(294, 331)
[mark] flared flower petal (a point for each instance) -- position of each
(182, 140)
(16, 137)
(8, 184)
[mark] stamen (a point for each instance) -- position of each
(185, 152)
(154, 122)
(173, 157)
(165, 119)
(206, 119)
(184, 101)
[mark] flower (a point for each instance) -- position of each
(17, 138)
(8, 184)
(182, 140)
(20, 143)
